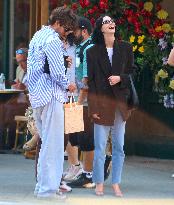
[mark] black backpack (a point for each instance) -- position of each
(46, 65)
(80, 54)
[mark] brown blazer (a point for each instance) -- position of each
(103, 98)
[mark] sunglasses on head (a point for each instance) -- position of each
(108, 21)
(20, 51)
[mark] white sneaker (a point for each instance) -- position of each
(64, 187)
(58, 196)
(72, 173)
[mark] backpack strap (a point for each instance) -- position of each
(80, 55)
(46, 65)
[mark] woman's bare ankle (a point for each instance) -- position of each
(117, 190)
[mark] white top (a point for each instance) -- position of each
(110, 54)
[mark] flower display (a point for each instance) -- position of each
(162, 74)
(145, 24)
(148, 6)
(171, 84)
(162, 14)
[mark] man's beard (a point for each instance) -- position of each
(78, 40)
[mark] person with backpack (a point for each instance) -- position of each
(81, 175)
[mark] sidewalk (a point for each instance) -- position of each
(145, 181)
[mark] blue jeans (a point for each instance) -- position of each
(101, 133)
(50, 124)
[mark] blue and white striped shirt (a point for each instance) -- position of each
(43, 87)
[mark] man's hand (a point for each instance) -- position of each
(114, 79)
(72, 87)
(85, 80)
(69, 61)
(96, 116)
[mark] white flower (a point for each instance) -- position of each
(164, 59)
(162, 43)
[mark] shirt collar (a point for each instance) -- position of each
(80, 45)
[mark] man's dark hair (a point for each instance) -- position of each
(70, 39)
(84, 23)
(97, 36)
(64, 16)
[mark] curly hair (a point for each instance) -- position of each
(98, 37)
(64, 16)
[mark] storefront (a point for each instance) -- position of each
(19, 20)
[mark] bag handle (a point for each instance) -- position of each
(72, 100)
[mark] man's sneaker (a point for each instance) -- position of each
(64, 187)
(58, 196)
(82, 182)
(72, 173)
(107, 166)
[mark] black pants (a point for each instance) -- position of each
(84, 140)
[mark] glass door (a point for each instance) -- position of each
(19, 31)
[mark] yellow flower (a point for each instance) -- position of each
(132, 39)
(171, 84)
(158, 28)
(140, 39)
(134, 48)
(162, 74)
(157, 79)
(162, 14)
(141, 49)
(148, 6)
(166, 27)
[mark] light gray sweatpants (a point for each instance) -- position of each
(50, 124)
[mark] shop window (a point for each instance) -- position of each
(21, 23)
(1, 35)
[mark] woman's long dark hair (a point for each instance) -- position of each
(97, 36)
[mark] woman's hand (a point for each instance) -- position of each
(114, 79)
(18, 86)
(96, 116)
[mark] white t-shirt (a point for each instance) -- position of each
(110, 54)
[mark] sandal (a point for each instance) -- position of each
(117, 191)
(99, 190)
(31, 144)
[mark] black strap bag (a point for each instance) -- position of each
(133, 101)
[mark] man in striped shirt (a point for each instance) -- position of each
(48, 92)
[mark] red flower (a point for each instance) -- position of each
(140, 5)
(137, 30)
(146, 21)
(74, 6)
(146, 13)
(92, 21)
(103, 4)
(158, 7)
(120, 21)
(95, 8)
(84, 3)
(91, 11)
(87, 3)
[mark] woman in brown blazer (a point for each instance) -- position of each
(109, 64)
